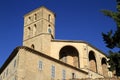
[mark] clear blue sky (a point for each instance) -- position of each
(75, 20)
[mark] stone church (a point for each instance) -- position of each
(42, 57)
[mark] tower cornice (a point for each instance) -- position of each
(42, 7)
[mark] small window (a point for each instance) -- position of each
(63, 75)
(49, 17)
(3, 75)
(73, 76)
(29, 20)
(40, 65)
(32, 46)
(53, 71)
(14, 63)
(34, 29)
(49, 29)
(29, 28)
(35, 25)
(29, 31)
(35, 16)
(29, 17)
(6, 72)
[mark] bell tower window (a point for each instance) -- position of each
(29, 19)
(29, 31)
(49, 29)
(35, 16)
(32, 46)
(34, 29)
(49, 17)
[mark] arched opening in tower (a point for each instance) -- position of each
(69, 55)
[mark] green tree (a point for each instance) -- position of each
(112, 39)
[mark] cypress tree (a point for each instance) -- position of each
(112, 39)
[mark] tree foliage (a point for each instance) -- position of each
(112, 39)
(114, 62)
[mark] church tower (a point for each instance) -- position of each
(39, 29)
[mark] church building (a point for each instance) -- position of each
(42, 57)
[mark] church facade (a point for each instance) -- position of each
(42, 57)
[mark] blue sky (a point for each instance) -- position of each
(75, 20)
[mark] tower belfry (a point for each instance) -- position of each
(39, 29)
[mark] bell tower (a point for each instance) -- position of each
(39, 29)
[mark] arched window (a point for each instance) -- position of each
(29, 19)
(32, 46)
(49, 17)
(104, 67)
(29, 32)
(92, 61)
(49, 29)
(34, 29)
(35, 16)
(69, 55)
